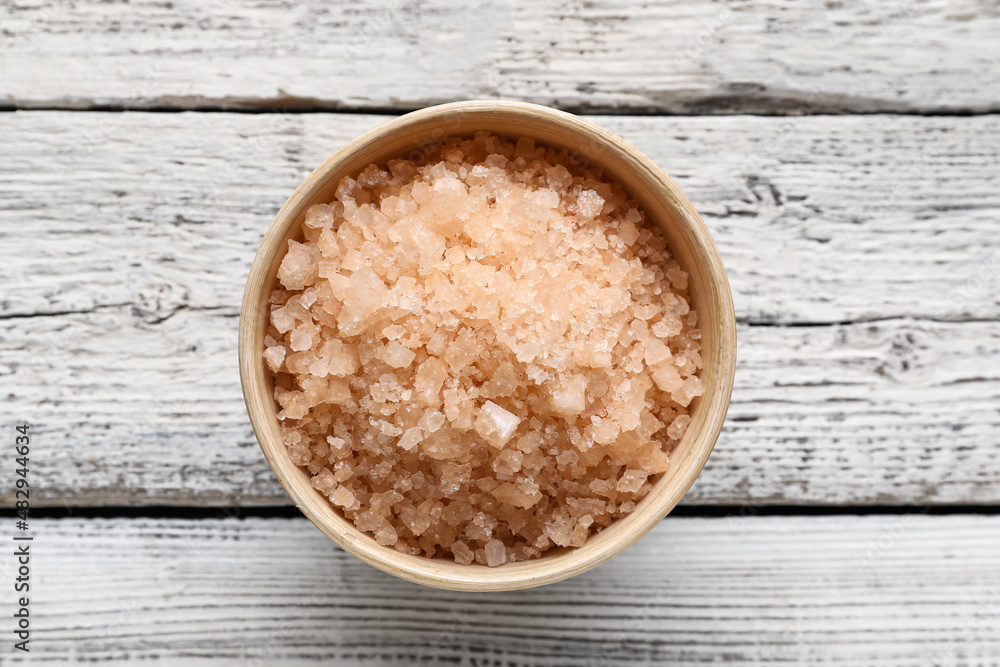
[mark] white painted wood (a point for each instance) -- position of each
(126, 239)
(819, 219)
(902, 411)
(681, 56)
(877, 590)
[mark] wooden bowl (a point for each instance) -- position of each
(663, 202)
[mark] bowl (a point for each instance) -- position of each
(589, 144)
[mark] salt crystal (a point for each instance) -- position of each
(320, 215)
(685, 362)
(668, 326)
(282, 320)
(386, 534)
(438, 343)
(275, 356)
(678, 277)
(629, 233)
(513, 494)
(397, 355)
(569, 396)
(415, 520)
(560, 530)
(504, 381)
(299, 266)
(495, 424)
(329, 248)
(655, 352)
(320, 368)
(342, 497)
(323, 481)
(453, 476)
(525, 147)
(496, 555)
(678, 427)
(508, 462)
(432, 420)
(394, 332)
(462, 553)
(427, 383)
(687, 392)
(410, 439)
(300, 340)
(558, 177)
(366, 296)
(631, 481)
(667, 378)
(589, 204)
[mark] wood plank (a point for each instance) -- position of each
(133, 233)
(885, 590)
(819, 219)
(682, 56)
(902, 411)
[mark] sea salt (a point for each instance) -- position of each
(496, 555)
(483, 355)
(495, 424)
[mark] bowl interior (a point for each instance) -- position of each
(688, 238)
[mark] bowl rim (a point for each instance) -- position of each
(438, 572)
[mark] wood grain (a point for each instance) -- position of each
(867, 282)
(818, 219)
(892, 591)
(900, 411)
(682, 56)
(863, 252)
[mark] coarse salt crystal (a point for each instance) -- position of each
(410, 438)
(495, 424)
(589, 204)
(631, 481)
(667, 378)
(282, 320)
(397, 356)
(688, 391)
(462, 553)
(394, 332)
(496, 555)
(300, 340)
(655, 352)
(342, 497)
(678, 427)
(275, 356)
(569, 397)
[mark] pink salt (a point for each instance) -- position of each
(484, 355)
(496, 555)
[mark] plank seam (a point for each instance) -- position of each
(390, 112)
(748, 510)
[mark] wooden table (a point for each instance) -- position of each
(845, 157)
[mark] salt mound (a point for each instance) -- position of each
(483, 356)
